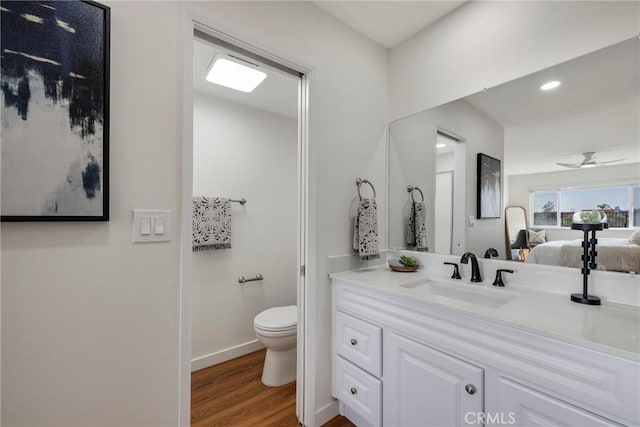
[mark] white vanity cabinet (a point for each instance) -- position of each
(402, 362)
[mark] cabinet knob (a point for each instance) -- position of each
(354, 390)
(354, 341)
(470, 388)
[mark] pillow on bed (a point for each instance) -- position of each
(635, 237)
(537, 236)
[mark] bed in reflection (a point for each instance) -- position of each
(613, 254)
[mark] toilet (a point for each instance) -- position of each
(276, 329)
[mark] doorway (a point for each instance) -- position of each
(220, 163)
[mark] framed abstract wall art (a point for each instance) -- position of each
(489, 195)
(54, 85)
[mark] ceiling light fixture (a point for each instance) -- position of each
(441, 145)
(550, 85)
(235, 73)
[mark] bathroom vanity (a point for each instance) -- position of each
(417, 350)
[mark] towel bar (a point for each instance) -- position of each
(360, 181)
(242, 279)
(411, 189)
(241, 201)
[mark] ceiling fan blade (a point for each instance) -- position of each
(609, 161)
(570, 165)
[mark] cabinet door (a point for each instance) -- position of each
(522, 406)
(425, 387)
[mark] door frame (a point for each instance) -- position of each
(305, 386)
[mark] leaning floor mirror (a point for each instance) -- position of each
(516, 229)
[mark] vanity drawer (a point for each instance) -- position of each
(359, 342)
(360, 392)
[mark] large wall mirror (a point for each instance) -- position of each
(565, 147)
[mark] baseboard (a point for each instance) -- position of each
(224, 355)
(326, 413)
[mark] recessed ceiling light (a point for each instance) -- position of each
(441, 145)
(235, 73)
(550, 85)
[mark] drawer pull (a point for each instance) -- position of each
(470, 388)
(354, 341)
(354, 390)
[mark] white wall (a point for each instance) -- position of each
(520, 186)
(412, 162)
(239, 151)
(90, 321)
(483, 44)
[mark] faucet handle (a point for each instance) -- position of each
(498, 281)
(456, 272)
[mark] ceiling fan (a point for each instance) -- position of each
(587, 162)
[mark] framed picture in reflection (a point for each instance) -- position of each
(54, 81)
(489, 195)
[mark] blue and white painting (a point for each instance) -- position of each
(489, 187)
(54, 89)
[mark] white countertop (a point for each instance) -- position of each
(611, 328)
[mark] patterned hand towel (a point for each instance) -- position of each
(365, 236)
(211, 223)
(417, 229)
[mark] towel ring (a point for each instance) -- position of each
(411, 189)
(359, 182)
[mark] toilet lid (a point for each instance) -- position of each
(277, 318)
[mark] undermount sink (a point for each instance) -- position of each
(472, 294)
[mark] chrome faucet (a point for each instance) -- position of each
(475, 269)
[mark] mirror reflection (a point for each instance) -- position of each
(568, 138)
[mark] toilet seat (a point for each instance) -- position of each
(276, 334)
(277, 319)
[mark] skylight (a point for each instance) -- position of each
(234, 73)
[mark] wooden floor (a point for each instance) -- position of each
(231, 394)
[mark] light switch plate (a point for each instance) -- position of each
(153, 216)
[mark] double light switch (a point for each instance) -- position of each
(151, 226)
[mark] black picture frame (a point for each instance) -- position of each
(58, 53)
(489, 187)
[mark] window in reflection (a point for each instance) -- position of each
(545, 208)
(621, 204)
